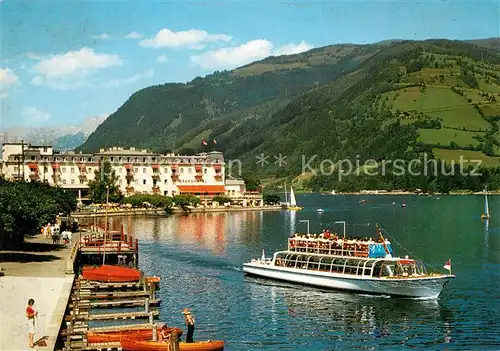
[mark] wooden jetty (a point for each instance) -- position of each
(138, 297)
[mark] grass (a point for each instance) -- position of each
(469, 157)
(466, 117)
(492, 109)
(475, 96)
(196, 141)
(489, 88)
(445, 136)
(260, 68)
(431, 99)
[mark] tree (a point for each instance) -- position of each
(271, 199)
(251, 183)
(104, 176)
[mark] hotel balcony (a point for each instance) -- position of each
(83, 178)
(198, 177)
(218, 176)
(174, 176)
(130, 190)
(56, 177)
(156, 176)
(156, 190)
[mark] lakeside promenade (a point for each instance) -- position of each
(37, 271)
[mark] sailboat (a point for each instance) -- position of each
(486, 214)
(293, 202)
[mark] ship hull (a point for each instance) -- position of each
(428, 287)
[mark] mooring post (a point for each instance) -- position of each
(155, 332)
(147, 305)
(150, 317)
(174, 341)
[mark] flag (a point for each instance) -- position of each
(204, 143)
(215, 141)
(447, 265)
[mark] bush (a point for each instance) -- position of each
(271, 199)
(157, 201)
(221, 199)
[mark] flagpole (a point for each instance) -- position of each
(450, 266)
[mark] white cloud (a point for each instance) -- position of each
(81, 62)
(193, 38)
(34, 115)
(69, 70)
(162, 58)
(240, 55)
(234, 56)
(290, 49)
(7, 79)
(134, 35)
(129, 80)
(103, 36)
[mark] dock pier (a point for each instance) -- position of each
(87, 297)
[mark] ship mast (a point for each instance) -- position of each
(381, 237)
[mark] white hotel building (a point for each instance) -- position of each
(138, 171)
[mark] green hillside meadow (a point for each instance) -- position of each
(396, 99)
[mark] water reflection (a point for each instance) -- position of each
(363, 321)
(205, 230)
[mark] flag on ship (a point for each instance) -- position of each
(204, 143)
(447, 265)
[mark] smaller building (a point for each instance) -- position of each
(235, 187)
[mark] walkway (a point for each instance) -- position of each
(39, 272)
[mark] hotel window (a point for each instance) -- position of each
(144, 170)
(81, 159)
(205, 171)
(137, 159)
(136, 170)
(190, 170)
(119, 170)
(182, 170)
(144, 159)
(136, 181)
(63, 169)
(128, 159)
(119, 181)
(15, 168)
(64, 181)
(165, 170)
(154, 159)
(165, 181)
(144, 181)
(112, 159)
(44, 149)
(89, 159)
(33, 158)
(72, 181)
(89, 169)
(72, 170)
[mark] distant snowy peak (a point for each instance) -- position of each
(62, 138)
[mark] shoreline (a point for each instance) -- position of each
(161, 212)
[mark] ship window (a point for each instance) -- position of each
(388, 270)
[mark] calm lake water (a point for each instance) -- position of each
(199, 258)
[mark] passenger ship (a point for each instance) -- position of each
(366, 266)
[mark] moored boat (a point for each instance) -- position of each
(133, 334)
(133, 345)
(109, 273)
(360, 265)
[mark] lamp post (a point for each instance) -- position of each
(106, 225)
(307, 221)
(342, 222)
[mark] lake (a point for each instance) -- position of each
(199, 258)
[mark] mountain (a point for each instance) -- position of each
(62, 138)
(386, 101)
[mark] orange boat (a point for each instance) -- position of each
(133, 334)
(107, 273)
(133, 345)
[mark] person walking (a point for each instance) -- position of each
(31, 313)
(190, 325)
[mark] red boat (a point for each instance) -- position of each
(132, 345)
(133, 334)
(107, 273)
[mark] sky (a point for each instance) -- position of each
(64, 61)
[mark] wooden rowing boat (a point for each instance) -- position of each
(134, 345)
(108, 273)
(133, 334)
